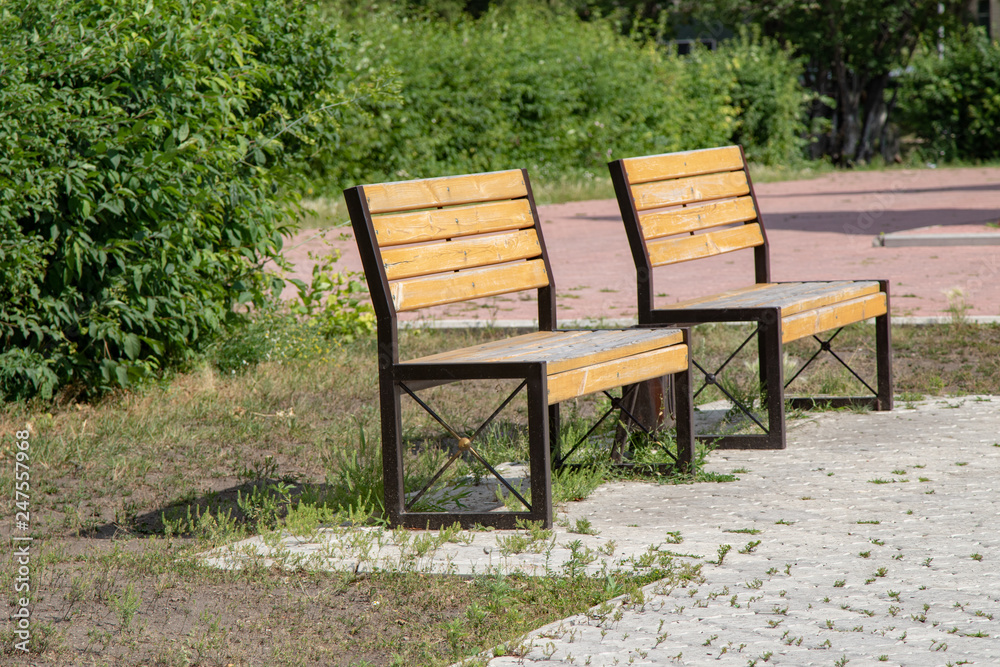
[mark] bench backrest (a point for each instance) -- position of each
(443, 240)
(689, 205)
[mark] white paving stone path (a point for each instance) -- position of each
(848, 571)
(878, 544)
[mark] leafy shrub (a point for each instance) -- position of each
(136, 199)
(767, 95)
(953, 104)
(523, 86)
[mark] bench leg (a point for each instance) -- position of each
(539, 430)
(684, 420)
(772, 374)
(883, 354)
(392, 447)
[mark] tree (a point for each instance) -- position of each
(854, 49)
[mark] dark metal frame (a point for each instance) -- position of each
(768, 332)
(396, 378)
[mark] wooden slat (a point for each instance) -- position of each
(693, 218)
(449, 223)
(670, 251)
(567, 351)
(792, 298)
(832, 317)
(689, 190)
(537, 340)
(610, 374)
(676, 165)
(712, 298)
(442, 256)
(416, 293)
(830, 297)
(447, 191)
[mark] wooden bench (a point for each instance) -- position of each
(682, 207)
(445, 240)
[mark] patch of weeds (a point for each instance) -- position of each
(784, 522)
(750, 547)
(840, 583)
(583, 527)
(722, 551)
(879, 480)
(977, 557)
(745, 531)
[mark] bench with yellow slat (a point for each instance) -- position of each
(445, 240)
(680, 207)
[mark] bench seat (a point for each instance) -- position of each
(806, 308)
(579, 362)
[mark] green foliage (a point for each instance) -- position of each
(138, 198)
(767, 95)
(953, 104)
(524, 86)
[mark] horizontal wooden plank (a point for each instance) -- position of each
(438, 224)
(568, 350)
(416, 293)
(673, 250)
(694, 218)
(446, 191)
(831, 317)
(830, 296)
(791, 297)
(535, 339)
(677, 165)
(442, 256)
(712, 298)
(689, 190)
(617, 373)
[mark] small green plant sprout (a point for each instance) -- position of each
(840, 583)
(708, 642)
(771, 571)
(583, 527)
(893, 595)
(673, 537)
(865, 554)
(740, 471)
(977, 557)
(883, 658)
(722, 551)
(754, 584)
(750, 546)
(873, 522)
(923, 479)
(899, 471)
(746, 531)
(783, 522)
(877, 542)
(879, 480)
(927, 562)
(788, 568)
(843, 661)
(881, 572)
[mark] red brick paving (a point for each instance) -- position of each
(818, 229)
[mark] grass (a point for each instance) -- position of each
(126, 492)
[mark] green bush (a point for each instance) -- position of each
(139, 196)
(523, 86)
(953, 104)
(767, 94)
